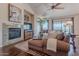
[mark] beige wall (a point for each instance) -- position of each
(76, 30)
(4, 19)
(0, 35)
(76, 24)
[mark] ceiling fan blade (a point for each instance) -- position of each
(57, 4)
(54, 6)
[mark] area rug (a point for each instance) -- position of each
(22, 46)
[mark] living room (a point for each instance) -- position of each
(25, 27)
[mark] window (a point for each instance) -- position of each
(59, 25)
(45, 25)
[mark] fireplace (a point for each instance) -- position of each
(14, 33)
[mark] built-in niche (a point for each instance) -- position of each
(26, 16)
(28, 25)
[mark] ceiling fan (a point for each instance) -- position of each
(56, 6)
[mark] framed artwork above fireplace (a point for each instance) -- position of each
(15, 13)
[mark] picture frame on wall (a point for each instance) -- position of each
(15, 13)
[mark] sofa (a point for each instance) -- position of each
(62, 47)
(40, 45)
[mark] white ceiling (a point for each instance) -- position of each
(43, 9)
